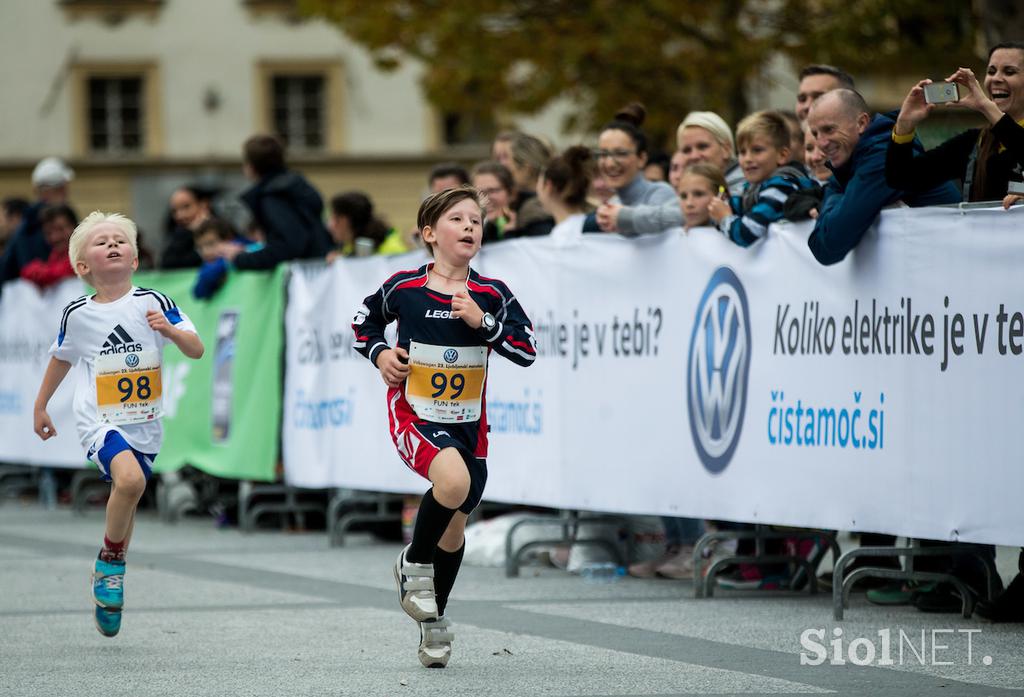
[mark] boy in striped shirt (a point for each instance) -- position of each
(764, 153)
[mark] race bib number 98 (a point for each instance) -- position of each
(128, 387)
(446, 383)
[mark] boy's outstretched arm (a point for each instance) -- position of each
(55, 374)
(189, 342)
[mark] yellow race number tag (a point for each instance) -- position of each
(446, 383)
(128, 389)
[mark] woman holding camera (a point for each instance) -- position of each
(984, 159)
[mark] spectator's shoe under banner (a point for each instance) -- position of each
(751, 577)
(679, 567)
(1008, 607)
(107, 621)
(896, 592)
(108, 584)
(826, 580)
(943, 597)
(647, 569)
(436, 640)
(714, 553)
(416, 588)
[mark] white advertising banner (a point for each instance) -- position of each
(679, 374)
(30, 319)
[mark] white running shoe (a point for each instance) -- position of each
(416, 588)
(436, 642)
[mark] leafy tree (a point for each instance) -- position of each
(516, 56)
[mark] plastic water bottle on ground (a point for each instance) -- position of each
(602, 572)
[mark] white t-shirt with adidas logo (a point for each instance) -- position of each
(88, 330)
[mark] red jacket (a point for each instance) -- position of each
(45, 273)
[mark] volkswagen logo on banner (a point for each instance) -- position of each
(717, 370)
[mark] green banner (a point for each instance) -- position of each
(222, 413)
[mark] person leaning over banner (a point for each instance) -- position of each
(58, 224)
(50, 181)
(356, 230)
(284, 205)
(114, 339)
(12, 211)
(562, 190)
(986, 159)
(450, 319)
(527, 218)
(621, 156)
(494, 180)
(772, 176)
(816, 80)
(855, 144)
(702, 137)
(189, 208)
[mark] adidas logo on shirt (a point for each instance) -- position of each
(120, 341)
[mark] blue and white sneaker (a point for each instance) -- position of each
(108, 621)
(108, 584)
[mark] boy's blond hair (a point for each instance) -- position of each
(79, 238)
(766, 124)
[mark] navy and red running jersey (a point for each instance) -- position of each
(425, 316)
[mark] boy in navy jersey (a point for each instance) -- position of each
(115, 338)
(449, 320)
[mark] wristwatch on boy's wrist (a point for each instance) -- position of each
(488, 323)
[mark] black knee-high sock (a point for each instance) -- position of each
(446, 568)
(431, 522)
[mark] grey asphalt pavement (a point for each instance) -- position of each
(218, 612)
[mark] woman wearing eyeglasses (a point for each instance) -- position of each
(703, 136)
(495, 182)
(621, 155)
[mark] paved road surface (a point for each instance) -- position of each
(217, 612)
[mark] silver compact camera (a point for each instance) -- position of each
(942, 93)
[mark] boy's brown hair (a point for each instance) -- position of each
(767, 124)
(215, 226)
(435, 205)
(264, 153)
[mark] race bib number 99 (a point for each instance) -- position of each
(446, 383)
(128, 387)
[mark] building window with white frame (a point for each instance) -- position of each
(298, 110)
(116, 114)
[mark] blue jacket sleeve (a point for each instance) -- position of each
(846, 215)
(286, 240)
(210, 278)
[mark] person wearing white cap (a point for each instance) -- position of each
(50, 180)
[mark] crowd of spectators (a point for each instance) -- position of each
(832, 159)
